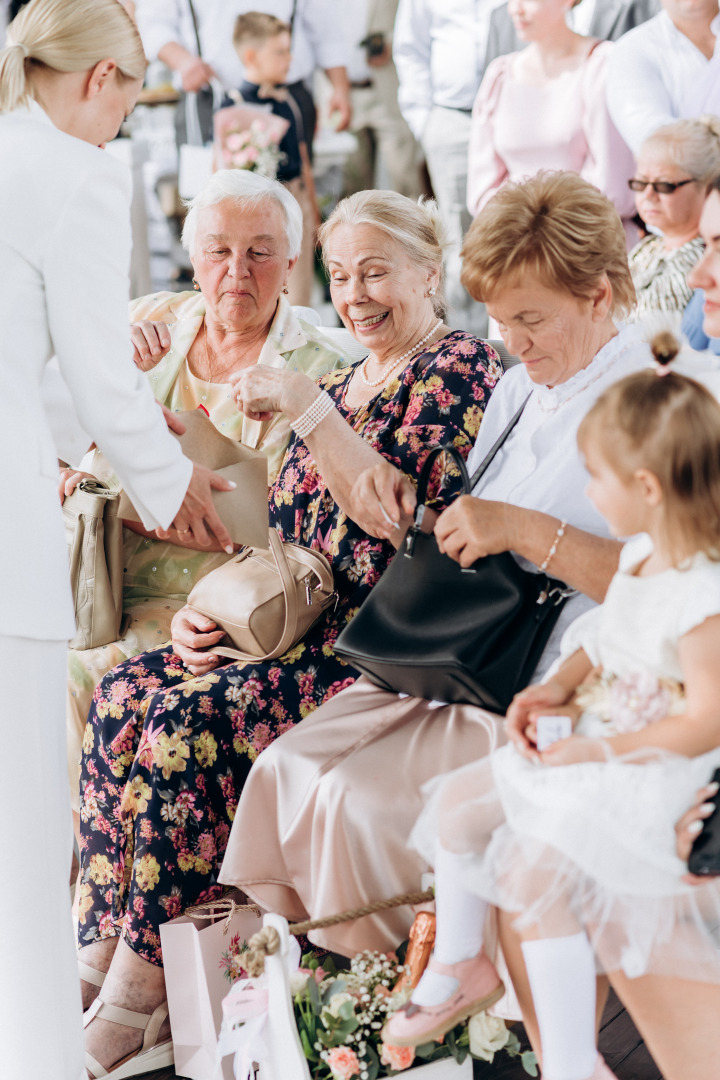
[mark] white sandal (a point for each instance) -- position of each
(150, 1056)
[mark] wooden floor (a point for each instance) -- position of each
(624, 1051)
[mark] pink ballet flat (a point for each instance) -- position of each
(480, 987)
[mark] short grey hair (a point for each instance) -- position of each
(249, 188)
(416, 226)
(693, 145)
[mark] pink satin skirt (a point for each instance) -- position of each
(324, 818)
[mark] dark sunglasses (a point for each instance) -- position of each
(660, 187)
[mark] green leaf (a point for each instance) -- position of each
(339, 986)
(347, 1011)
(426, 1050)
(529, 1063)
(314, 995)
(451, 1043)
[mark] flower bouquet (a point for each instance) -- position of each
(249, 137)
(339, 1017)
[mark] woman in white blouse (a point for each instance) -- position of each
(69, 75)
(324, 817)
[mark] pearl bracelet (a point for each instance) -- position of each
(321, 407)
(558, 537)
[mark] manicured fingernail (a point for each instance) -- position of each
(212, 659)
(712, 789)
(695, 827)
(707, 808)
(232, 484)
(229, 549)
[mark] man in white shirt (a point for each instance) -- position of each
(377, 122)
(200, 49)
(439, 51)
(662, 70)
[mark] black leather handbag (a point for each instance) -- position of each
(434, 630)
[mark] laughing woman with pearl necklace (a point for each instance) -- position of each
(156, 737)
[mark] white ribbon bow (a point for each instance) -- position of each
(245, 1014)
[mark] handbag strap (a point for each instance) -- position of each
(468, 481)
(196, 28)
(487, 460)
(289, 587)
(288, 636)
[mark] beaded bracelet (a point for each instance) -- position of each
(558, 537)
(321, 407)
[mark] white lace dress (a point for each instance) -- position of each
(593, 844)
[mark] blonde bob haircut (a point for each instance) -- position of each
(669, 425)
(557, 226)
(66, 36)
(416, 226)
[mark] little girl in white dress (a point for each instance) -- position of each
(578, 840)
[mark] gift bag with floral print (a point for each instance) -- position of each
(198, 951)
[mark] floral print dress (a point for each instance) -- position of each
(165, 754)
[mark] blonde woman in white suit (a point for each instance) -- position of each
(70, 73)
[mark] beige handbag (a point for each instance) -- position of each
(93, 532)
(265, 601)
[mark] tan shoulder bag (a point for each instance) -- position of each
(265, 601)
(93, 532)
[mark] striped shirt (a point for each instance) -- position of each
(660, 276)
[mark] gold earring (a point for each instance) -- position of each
(285, 289)
(195, 285)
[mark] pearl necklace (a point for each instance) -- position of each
(405, 355)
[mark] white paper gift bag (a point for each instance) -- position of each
(192, 952)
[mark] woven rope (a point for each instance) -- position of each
(267, 941)
(216, 908)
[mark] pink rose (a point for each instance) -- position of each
(343, 1063)
(397, 1057)
(637, 700)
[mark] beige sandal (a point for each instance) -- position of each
(151, 1055)
(90, 975)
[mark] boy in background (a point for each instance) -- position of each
(263, 45)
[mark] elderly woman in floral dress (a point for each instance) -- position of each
(171, 735)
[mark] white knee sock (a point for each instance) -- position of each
(562, 978)
(459, 935)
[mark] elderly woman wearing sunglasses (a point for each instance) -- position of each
(674, 168)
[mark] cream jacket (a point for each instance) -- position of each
(64, 261)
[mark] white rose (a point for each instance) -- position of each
(298, 982)
(488, 1034)
(336, 1002)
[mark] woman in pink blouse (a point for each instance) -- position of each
(544, 108)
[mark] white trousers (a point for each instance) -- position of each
(41, 1034)
(445, 141)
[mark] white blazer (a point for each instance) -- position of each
(64, 258)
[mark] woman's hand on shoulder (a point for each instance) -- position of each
(383, 501)
(69, 480)
(471, 528)
(151, 342)
(193, 635)
(262, 391)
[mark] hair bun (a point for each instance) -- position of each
(665, 347)
(712, 123)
